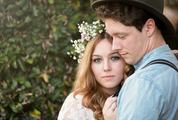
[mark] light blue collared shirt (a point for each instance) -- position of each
(150, 93)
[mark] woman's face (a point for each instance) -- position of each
(107, 66)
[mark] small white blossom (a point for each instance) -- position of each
(74, 58)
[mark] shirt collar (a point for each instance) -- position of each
(152, 55)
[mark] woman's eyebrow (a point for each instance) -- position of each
(115, 52)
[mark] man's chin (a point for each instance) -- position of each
(129, 61)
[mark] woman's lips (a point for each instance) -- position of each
(108, 77)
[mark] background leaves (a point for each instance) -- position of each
(35, 72)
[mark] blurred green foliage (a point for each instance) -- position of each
(35, 72)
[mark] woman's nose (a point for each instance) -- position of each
(107, 66)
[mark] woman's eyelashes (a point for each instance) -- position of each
(96, 60)
(100, 59)
(115, 58)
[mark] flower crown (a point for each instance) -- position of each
(87, 31)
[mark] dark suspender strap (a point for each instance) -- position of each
(162, 61)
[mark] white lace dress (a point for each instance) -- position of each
(72, 109)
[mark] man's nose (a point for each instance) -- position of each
(116, 45)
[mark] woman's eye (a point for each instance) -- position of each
(96, 60)
(114, 58)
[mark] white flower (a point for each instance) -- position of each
(87, 31)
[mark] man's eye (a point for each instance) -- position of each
(96, 60)
(121, 36)
(115, 58)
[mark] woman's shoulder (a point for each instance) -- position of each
(73, 108)
(71, 98)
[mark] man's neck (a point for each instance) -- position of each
(155, 41)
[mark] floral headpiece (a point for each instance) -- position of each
(87, 31)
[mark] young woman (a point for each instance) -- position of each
(100, 74)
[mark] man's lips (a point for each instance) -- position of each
(123, 53)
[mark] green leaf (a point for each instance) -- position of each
(51, 1)
(30, 61)
(14, 84)
(14, 64)
(21, 65)
(28, 19)
(27, 84)
(16, 107)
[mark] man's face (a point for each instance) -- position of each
(131, 43)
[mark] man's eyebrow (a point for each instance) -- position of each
(119, 33)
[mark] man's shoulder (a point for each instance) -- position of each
(163, 65)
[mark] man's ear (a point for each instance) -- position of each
(149, 27)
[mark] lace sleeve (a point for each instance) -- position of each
(72, 109)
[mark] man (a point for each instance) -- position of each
(141, 33)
